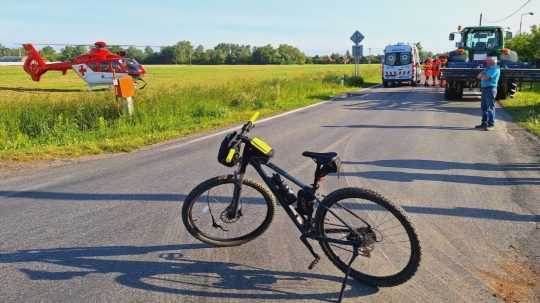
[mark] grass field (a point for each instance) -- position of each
(59, 118)
(525, 108)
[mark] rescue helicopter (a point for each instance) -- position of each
(98, 67)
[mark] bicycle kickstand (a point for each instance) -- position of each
(316, 257)
(344, 283)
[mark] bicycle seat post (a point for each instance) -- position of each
(317, 178)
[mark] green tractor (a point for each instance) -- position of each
(467, 61)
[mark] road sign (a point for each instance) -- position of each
(358, 51)
(357, 37)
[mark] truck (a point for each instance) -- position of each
(474, 45)
(401, 64)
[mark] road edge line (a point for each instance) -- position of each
(212, 135)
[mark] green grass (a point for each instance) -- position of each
(58, 118)
(525, 108)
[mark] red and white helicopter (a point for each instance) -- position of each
(98, 67)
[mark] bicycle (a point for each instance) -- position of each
(331, 220)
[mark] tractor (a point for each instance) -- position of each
(474, 45)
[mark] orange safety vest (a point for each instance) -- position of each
(436, 67)
(428, 66)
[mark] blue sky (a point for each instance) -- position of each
(314, 26)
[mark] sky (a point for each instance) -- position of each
(316, 26)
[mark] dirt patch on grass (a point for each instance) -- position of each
(514, 280)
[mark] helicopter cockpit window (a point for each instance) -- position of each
(105, 67)
(133, 65)
(116, 67)
(92, 66)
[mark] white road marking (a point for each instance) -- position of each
(180, 145)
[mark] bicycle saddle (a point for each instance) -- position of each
(320, 158)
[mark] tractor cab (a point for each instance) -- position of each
(478, 43)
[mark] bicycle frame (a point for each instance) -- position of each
(249, 157)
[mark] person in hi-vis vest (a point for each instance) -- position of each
(428, 72)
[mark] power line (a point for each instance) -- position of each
(512, 14)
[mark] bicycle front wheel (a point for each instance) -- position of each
(204, 212)
(388, 247)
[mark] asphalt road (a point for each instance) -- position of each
(109, 230)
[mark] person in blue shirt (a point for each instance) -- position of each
(489, 79)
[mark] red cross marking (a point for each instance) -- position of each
(82, 70)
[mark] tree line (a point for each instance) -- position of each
(527, 45)
(184, 52)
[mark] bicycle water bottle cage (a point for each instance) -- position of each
(229, 151)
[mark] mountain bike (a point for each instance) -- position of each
(347, 223)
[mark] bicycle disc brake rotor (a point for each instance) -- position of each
(224, 216)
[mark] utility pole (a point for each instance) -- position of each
(521, 20)
(369, 56)
(481, 16)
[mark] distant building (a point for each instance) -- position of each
(11, 60)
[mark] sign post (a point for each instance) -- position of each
(357, 51)
(125, 89)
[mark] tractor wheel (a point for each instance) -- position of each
(502, 91)
(449, 93)
(459, 91)
(453, 91)
(512, 88)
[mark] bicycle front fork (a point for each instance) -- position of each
(233, 211)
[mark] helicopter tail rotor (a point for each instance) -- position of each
(34, 64)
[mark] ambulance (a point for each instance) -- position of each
(401, 64)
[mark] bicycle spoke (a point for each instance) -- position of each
(352, 213)
(336, 246)
(211, 215)
(336, 231)
(384, 241)
(390, 228)
(326, 222)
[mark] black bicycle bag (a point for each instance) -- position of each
(331, 167)
(229, 154)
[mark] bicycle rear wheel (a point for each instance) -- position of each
(204, 212)
(389, 250)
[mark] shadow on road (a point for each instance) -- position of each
(445, 165)
(414, 100)
(477, 213)
(168, 271)
(398, 176)
(400, 127)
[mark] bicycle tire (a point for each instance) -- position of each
(385, 281)
(215, 182)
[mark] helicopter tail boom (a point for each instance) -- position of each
(35, 66)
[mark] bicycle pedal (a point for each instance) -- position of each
(314, 262)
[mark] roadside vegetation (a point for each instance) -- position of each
(59, 118)
(525, 108)
(184, 52)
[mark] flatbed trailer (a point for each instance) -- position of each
(512, 76)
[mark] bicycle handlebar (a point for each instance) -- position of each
(250, 124)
